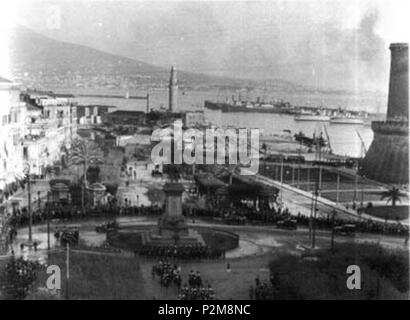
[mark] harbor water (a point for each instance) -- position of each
(344, 138)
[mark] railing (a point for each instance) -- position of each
(391, 127)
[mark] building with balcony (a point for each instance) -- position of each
(12, 132)
(50, 127)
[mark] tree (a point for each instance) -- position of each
(85, 153)
(393, 194)
(19, 276)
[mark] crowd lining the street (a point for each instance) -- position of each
(239, 214)
(244, 214)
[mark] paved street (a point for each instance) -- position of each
(254, 240)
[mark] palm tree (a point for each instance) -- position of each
(85, 153)
(393, 194)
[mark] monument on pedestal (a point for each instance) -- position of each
(172, 228)
(172, 221)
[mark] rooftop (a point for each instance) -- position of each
(127, 112)
(4, 80)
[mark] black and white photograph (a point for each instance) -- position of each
(205, 151)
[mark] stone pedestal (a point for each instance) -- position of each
(172, 223)
(172, 228)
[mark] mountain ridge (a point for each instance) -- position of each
(41, 61)
(33, 54)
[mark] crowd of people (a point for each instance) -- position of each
(196, 293)
(20, 217)
(181, 251)
(196, 289)
(170, 274)
(275, 214)
(363, 226)
(237, 214)
(264, 290)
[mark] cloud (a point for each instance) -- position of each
(303, 42)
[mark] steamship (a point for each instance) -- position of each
(280, 107)
(346, 120)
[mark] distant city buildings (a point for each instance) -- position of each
(194, 119)
(49, 130)
(91, 114)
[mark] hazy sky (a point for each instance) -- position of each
(325, 43)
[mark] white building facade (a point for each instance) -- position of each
(12, 132)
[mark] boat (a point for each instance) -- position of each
(279, 108)
(309, 142)
(311, 117)
(346, 120)
(300, 113)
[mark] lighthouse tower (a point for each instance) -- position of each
(173, 91)
(388, 157)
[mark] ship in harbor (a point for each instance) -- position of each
(311, 141)
(312, 116)
(348, 117)
(338, 116)
(278, 107)
(300, 113)
(346, 120)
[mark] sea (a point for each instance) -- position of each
(345, 139)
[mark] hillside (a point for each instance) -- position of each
(40, 61)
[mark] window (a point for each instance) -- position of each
(16, 116)
(16, 138)
(25, 153)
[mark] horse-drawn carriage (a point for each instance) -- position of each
(348, 230)
(235, 220)
(288, 224)
(104, 227)
(67, 235)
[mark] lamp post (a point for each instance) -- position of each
(67, 261)
(332, 238)
(38, 200)
(281, 181)
(30, 217)
(314, 218)
(314, 214)
(48, 219)
(355, 182)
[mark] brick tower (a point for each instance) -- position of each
(388, 157)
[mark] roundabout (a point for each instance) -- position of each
(172, 237)
(230, 277)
